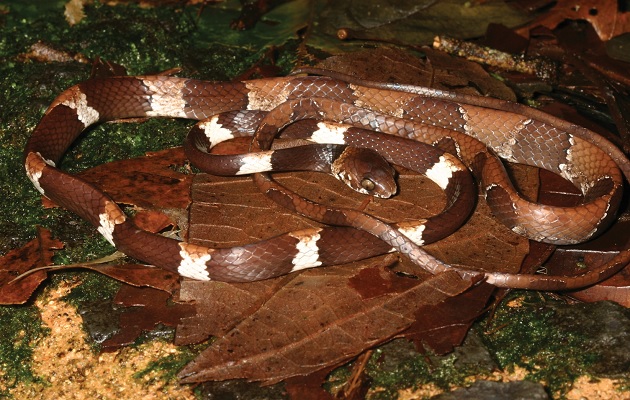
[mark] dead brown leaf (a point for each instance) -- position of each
(44, 52)
(234, 212)
(221, 306)
(146, 308)
(136, 187)
(138, 275)
(314, 321)
(438, 70)
(444, 328)
(616, 288)
(147, 182)
(604, 15)
(308, 387)
(36, 253)
(152, 221)
(573, 261)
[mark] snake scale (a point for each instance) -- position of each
(476, 129)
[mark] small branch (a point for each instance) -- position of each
(537, 66)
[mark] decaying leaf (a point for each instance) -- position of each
(220, 306)
(572, 261)
(605, 16)
(308, 387)
(315, 321)
(144, 182)
(441, 331)
(146, 308)
(223, 309)
(310, 322)
(616, 288)
(438, 70)
(36, 253)
(148, 182)
(138, 275)
(316, 24)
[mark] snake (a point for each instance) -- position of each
(477, 130)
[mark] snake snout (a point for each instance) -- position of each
(367, 172)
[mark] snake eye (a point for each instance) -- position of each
(368, 184)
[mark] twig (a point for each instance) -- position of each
(537, 66)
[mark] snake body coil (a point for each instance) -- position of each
(475, 128)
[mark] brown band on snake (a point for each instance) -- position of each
(99, 100)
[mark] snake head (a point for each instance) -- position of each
(365, 171)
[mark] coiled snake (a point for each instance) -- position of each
(475, 128)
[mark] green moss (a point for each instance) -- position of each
(167, 368)
(410, 372)
(25, 92)
(21, 330)
(534, 331)
(143, 40)
(28, 90)
(623, 385)
(526, 336)
(118, 141)
(94, 287)
(397, 366)
(338, 378)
